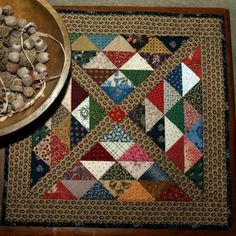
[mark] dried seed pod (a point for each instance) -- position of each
(28, 44)
(5, 31)
(21, 23)
(7, 10)
(32, 30)
(25, 36)
(34, 37)
(40, 45)
(27, 80)
(23, 71)
(15, 47)
(18, 104)
(16, 88)
(28, 92)
(40, 68)
(10, 21)
(43, 57)
(14, 57)
(11, 97)
(32, 55)
(17, 81)
(12, 67)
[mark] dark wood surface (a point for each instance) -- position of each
(43, 231)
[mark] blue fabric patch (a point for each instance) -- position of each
(175, 79)
(157, 133)
(77, 132)
(195, 135)
(117, 134)
(98, 192)
(155, 173)
(173, 43)
(101, 40)
(38, 169)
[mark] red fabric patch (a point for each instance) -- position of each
(194, 62)
(119, 58)
(174, 193)
(176, 153)
(116, 114)
(78, 94)
(97, 153)
(156, 96)
(59, 150)
(59, 191)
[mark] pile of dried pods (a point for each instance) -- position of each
(22, 63)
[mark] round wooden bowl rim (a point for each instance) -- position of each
(60, 84)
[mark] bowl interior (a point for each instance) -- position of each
(47, 21)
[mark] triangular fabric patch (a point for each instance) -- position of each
(155, 60)
(189, 79)
(62, 131)
(137, 41)
(136, 76)
(136, 63)
(176, 115)
(136, 168)
(173, 43)
(138, 115)
(171, 96)
(82, 114)
(195, 134)
(83, 44)
(117, 87)
(176, 153)
(196, 174)
(152, 114)
(98, 168)
(58, 149)
(175, 79)
(155, 46)
(136, 192)
(155, 173)
(119, 44)
(172, 134)
(78, 188)
(174, 193)
(117, 149)
(98, 192)
(101, 40)
(156, 96)
(117, 172)
(39, 168)
(155, 188)
(66, 101)
(97, 153)
(191, 115)
(78, 94)
(59, 115)
(77, 131)
(83, 57)
(39, 135)
(157, 133)
(194, 62)
(96, 113)
(117, 134)
(194, 96)
(100, 61)
(116, 187)
(136, 153)
(78, 172)
(119, 58)
(191, 153)
(58, 191)
(100, 75)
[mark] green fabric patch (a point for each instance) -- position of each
(73, 36)
(96, 113)
(136, 76)
(176, 115)
(39, 134)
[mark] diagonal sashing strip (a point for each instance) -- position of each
(154, 151)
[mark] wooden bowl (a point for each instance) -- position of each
(47, 21)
